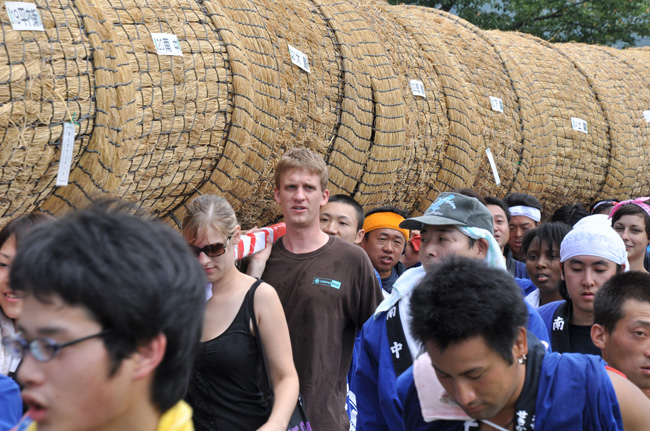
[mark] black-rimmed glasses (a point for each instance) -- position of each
(43, 349)
(211, 250)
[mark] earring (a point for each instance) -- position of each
(522, 360)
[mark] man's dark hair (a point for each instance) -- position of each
(491, 200)
(358, 209)
(471, 193)
(136, 277)
(570, 214)
(610, 298)
(631, 209)
(523, 199)
(464, 298)
(389, 209)
(549, 233)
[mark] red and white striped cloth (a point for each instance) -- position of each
(251, 243)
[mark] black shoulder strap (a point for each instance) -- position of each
(399, 349)
(251, 304)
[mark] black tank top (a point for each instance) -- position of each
(224, 388)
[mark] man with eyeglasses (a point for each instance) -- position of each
(112, 316)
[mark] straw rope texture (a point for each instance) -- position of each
(159, 129)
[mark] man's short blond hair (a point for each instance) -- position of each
(302, 158)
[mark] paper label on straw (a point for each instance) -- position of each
(579, 124)
(24, 16)
(497, 104)
(299, 58)
(493, 166)
(166, 44)
(417, 88)
(646, 115)
(67, 144)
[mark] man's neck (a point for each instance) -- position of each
(505, 417)
(141, 416)
(581, 318)
(304, 240)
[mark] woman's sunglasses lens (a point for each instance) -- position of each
(210, 250)
(215, 250)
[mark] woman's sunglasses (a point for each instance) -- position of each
(211, 250)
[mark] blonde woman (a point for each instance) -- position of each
(226, 385)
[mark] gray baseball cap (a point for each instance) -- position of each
(453, 209)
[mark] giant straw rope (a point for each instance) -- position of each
(159, 129)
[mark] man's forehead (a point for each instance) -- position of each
(289, 176)
(339, 209)
(521, 220)
(637, 310)
(51, 315)
(386, 231)
(587, 260)
(496, 210)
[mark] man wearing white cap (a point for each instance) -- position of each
(525, 214)
(591, 253)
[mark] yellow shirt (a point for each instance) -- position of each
(178, 418)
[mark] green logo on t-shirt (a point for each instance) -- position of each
(327, 282)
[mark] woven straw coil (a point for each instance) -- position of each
(159, 130)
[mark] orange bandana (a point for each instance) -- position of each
(387, 220)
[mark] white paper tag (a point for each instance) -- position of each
(493, 166)
(24, 16)
(579, 124)
(646, 115)
(166, 44)
(67, 144)
(299, 58)
(497, 104)
(417, 88)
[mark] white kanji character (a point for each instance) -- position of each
(396, 348)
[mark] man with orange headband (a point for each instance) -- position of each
(384, 242)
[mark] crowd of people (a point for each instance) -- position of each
(476, 315)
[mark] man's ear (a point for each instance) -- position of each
(325, 197)
(521, 344)
(360, 235)
(148, 356)
(599, 336)
(482, 247)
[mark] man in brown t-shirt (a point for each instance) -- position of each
(327, 287)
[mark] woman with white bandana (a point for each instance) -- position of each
(590, 254)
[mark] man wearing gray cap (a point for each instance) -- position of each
(455, 225)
